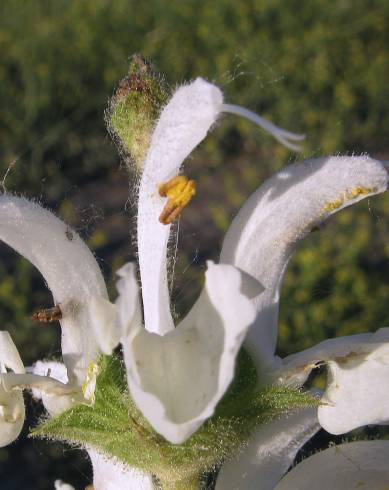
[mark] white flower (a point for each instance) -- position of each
(162, 361)
(260, 242)
(178, 374)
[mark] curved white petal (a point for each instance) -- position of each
(12, 412)
(109, 474)
(69, 268)
(358, 379)
(295, 368)
(183, 124)
(269, 453)
(177, 379)
(279, 214)
(357, 465)
(358, 388)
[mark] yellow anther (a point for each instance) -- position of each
(179, 191)
(348, 195)
(359, 191)
(332, 205)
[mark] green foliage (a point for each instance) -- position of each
(115, 426)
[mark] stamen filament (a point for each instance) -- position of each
(282, 135)
(10, 380)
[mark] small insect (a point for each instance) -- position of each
(47, 315)
(69, 234)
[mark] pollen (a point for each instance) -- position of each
(348, 195)
(179, 190)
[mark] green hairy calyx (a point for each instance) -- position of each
(115, 427)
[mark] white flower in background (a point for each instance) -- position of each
(178, 374)
(362, 464)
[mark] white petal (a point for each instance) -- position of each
(11, 415)
(358, 389)
(109, 474)
(183, 124)
(60, 485)
(177, 380)
(11, 402)
(357, 465)
(9, 355)
(69, 269)
(358, 379)
(104, 321)
(127, 303)
(57, 370)
(281, 212)
(269, 453)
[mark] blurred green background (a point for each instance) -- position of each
(319, 67)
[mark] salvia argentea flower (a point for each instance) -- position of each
(177, 374)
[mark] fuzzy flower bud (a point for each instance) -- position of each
(134, 109)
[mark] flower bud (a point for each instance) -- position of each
(134, 109)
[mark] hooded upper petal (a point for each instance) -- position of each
(361, 464)
(177, 379)
(269, 453)
(279, 214)
(183, 124)
(69, 269)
